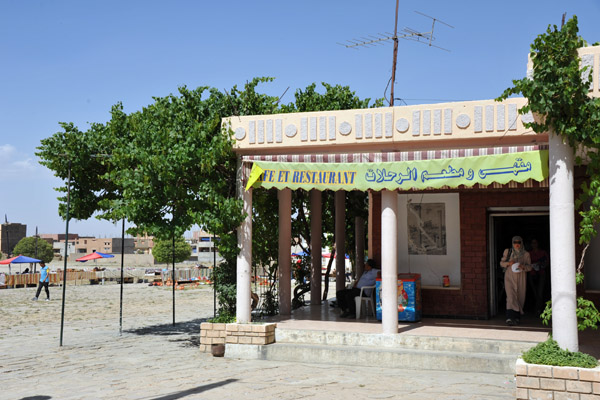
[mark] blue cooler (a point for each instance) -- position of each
(409, 297)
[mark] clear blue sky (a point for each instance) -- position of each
(71, 60)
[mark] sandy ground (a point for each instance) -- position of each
(154, 359)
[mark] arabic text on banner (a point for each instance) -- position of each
(418, 174)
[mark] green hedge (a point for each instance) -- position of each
(549, 353)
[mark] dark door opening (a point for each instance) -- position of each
(502, 229)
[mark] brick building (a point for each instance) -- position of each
(449, 185)
(10, 235)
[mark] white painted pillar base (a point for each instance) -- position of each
(285, 258)
(359, 236)
(315, 246)
(389, 261)
(340, 240)
(244, 262)
(562, 244)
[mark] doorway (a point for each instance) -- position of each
(504, 223)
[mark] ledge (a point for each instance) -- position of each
(551, 382)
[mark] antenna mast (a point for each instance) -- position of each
(410, 34)
(395, 38)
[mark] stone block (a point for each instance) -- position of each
(566, 396)
(219, 327)
(521, 367)
(522, 394)
(528, 382)
(206, 340)
(539, 370)
(552, 384)
(232, 327)
(203, 348)
(271, 338)
(579, 387)
(589, 374)
(245, 340)
(258, 340)
(202, 333)
(212, 334)
(245, 328)
(535, 394)
(231, 339)
(589, 397)
(565, 372)
(259, 328)
(206, 325)
(596, 387)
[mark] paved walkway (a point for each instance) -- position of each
(155, 360)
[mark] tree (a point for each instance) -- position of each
(558, 93)
(335, 98)
(27, 247)
(163, 250)
(171, 165)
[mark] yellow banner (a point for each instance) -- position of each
(418, 174)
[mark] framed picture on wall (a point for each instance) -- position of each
(426, 229)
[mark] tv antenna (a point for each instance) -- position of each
(409, 34)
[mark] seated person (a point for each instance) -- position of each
(345, 298)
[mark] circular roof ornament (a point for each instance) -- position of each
(402, 125)
(240, 133)
(463, 121)
(345, 128)
(291, 130)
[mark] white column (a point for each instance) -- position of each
(562, 244)
(340, 240)
(389, 261)
(285, 258)
(244, 261)
(359, 237)
(315, 246)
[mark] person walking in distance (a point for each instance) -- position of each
(44, 281)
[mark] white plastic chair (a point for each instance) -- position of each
(368, 300)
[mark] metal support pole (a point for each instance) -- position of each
(214, 277)
(122, 278)
(36, 245)
(174, 278)
(62, 314)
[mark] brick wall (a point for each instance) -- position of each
(471, 300)
(214, 333)
(550, 382)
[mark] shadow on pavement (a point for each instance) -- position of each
(36, 398)
(190, 328)
(195, 390)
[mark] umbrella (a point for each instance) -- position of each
(93, 256)
(300, 254)
(20, 260)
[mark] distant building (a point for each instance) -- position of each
(83, 245)
(203, 248)
(143, 244)
(10, 235)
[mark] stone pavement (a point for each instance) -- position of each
(155, 360)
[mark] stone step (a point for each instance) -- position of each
(417, 342)
(388, 351)
(380, 357)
